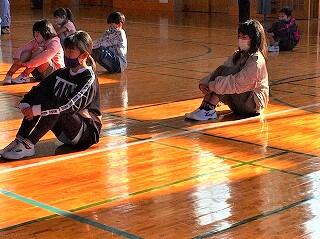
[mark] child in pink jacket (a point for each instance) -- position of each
(41, 56)
(242, 81)
(63, 23)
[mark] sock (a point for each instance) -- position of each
(27, 143)
(205, 105)
(19, 138)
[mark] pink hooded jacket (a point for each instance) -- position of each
(52, 51)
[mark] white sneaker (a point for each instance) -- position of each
(201, 115)
(7, 80)
(9, 147)
(273, 48)
(21, 79)
(19, 151)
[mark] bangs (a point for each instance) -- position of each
(71, 42)
(78, 40)
(245, 29)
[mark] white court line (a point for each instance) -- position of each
(164, 136)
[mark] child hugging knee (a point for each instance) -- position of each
(41, 56)
(242, 81)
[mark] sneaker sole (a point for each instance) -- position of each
(17, 83)
(13, 158)
(187, 118)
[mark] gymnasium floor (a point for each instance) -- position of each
(154, 175)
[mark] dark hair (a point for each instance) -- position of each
(287, 11)
(116, 17)
(63, 13)
(80, 40)
(45, 28)
(255, 31)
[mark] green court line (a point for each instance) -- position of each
(69, 215)
(216, 136)
(113, 199)
(254, 218)
(241, 163)
(40, 219)
(251, 163)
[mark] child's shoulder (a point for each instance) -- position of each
(69, 23)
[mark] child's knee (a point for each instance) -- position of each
(25, 56)
(37, 52)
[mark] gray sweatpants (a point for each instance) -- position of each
(240, 103)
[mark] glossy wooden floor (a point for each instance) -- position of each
(154, 175)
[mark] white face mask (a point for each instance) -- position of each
(244, 45)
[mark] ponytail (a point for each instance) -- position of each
(64, 13)
(69, 14)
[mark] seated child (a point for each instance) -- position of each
(110, 51)
(63, 23)
(41, 56)
(284, 34)
(242, 81)
(67, 103)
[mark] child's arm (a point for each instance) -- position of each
(217, 72)
(61, 30)
(292, 27)
(65, 28)
(81, 97)
(45, 56)
(109, 39)
(273, 27)
(30, 100)
(243, 81)
(27, 47)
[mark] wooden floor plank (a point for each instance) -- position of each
(154, 174)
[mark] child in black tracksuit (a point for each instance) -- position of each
(284, 34)
(67, 102)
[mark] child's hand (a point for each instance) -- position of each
(27, 112)
(204, 89)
